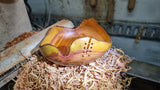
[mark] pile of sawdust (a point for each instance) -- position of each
(106, 73)
(19, 39)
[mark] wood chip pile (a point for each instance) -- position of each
(106, 73)
(19, 39)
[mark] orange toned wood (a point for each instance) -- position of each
(73, 45)
(62, 38)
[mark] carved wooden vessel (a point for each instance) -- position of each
(77, 46)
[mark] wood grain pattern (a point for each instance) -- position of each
(65, 43)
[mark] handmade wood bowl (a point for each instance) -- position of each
(84, 44)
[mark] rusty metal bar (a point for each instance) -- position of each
(15, 54)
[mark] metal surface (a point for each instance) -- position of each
(144, 11)
(9, 75)
(15, 54)
(71, 8)
(148, 31)
(145, 71)
(13, 20)
(145, 51)
(146, 54)
(8, 78)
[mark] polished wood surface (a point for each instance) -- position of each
(64, 43)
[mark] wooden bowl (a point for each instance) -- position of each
(84, 44)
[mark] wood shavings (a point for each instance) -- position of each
(103, 74)
(19, 39)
